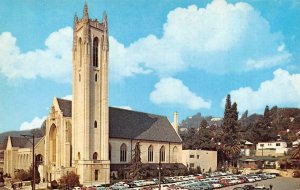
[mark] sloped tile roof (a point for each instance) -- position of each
(132, 124)
(138, 125)
(65, 106)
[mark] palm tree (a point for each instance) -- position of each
(232, 151)
(295, 156)
(295, 153)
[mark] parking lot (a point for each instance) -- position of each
(279, 183)
(217, 180)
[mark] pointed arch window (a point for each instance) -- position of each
(95, 156)
(175, 152)
(150, 153)
(95, 52)
(123, 153)
(80, 51)
(162, 156)
(78, 155)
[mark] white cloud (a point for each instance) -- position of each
(282, 90)
(173, 91)
(68, 97)
(35, 123)
(219, 38)
(124, 107)
(53, 62)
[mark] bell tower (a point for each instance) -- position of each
(90, 99)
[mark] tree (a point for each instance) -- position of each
(70, 180)
(37, 174)
(23, 175)
(203, 123)
(295, 153)
(230, 140)
(1, 179)
(136, 168)
(245, 115)
(204, 139)
(189, 139)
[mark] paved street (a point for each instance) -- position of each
(279, 183)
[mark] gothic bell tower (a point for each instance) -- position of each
(90, 99)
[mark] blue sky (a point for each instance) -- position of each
(165, 56)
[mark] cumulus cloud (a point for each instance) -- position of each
(173, 91)
(35, 123)
(282, 90)
(124, 107)
(219, 38)
(68, 97)
(53, 62)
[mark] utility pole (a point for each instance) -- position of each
(159, 174)
(33, 158)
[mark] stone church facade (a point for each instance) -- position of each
(87, 136)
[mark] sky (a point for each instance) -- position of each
(165, 56)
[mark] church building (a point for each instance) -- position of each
(87, 136)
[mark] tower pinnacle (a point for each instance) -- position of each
(85, 11)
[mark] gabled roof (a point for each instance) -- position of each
(65, 106)
(132, 124)
(22, 142)
(141, 126)
(18, 142)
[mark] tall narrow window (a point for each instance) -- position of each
(150, 153)
(95, 124)
(95, 52)
(79, 77)
(109, 152)
(96, 175)
(175, 152)
(78, 155)
(80, 51)
(162, 154)
(95, 155)
(123, 153)
(96, 77)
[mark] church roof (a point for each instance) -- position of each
(138, 125)
(130, 124)
(65, 106)
(22, 142)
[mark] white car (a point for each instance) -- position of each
(217, 185)
(77, 188)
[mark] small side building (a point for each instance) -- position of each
(205, 159)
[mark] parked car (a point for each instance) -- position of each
(238, 188)
(99, 187)
(261, 188)
(248, 187)
(77, 188)
(296, 173)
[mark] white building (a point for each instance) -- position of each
(274, 148)
(205, 159)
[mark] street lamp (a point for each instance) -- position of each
(33, 157)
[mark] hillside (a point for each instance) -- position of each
(39, 132)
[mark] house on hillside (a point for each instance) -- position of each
(273, 148)
(247, 148)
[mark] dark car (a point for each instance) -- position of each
(238, 188)
(296, 173)
(248, 187)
